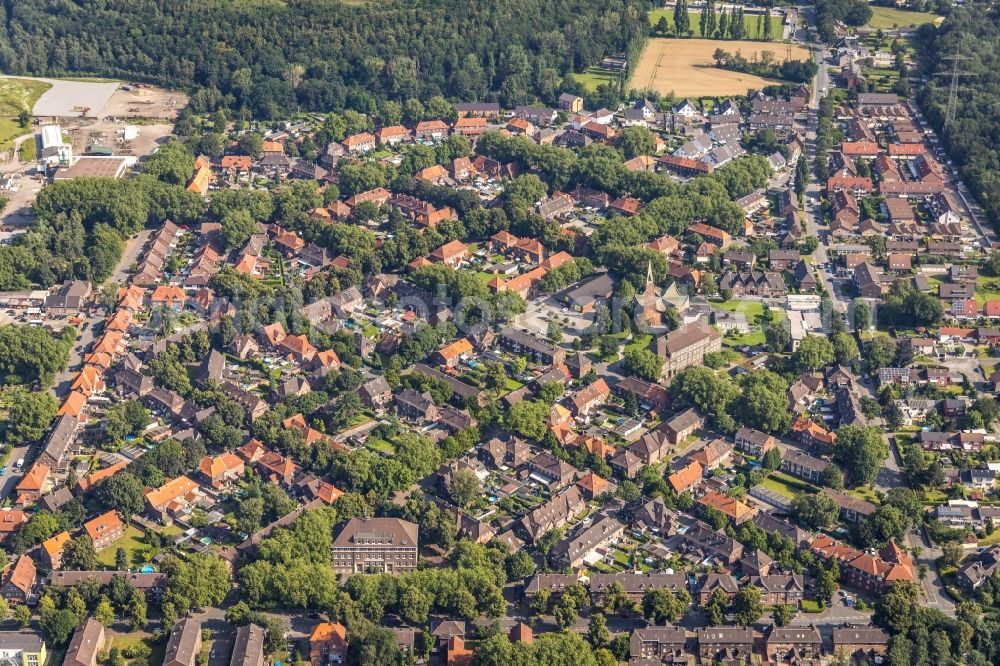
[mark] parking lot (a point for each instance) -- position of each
(539, 313)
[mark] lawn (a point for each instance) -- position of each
(987, 289)
(157, 648)
(787, 485)
(9, 130)
(639, 343)
(593, 77)
(749, 22)
(812, 606)
(863, 493)
(28, 150)
(890, 17)
(132, 542)
(990, 539)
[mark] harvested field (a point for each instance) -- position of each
(685, 67)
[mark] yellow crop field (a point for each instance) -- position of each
(686, 68)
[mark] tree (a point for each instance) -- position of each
(59, 626)
(465, 487)
(832, 477)
(747, 607)
(24, 119)
(714, 609)
(22, 616)
(565, 612)
(879, 352)
(861, 451)
(123, 492)
(79, 554)
(597, 630)
(635, 141)
(783, 614)
(772, 459)
(777, 337)
(812, 354)
(845, 349)
(104, 612)
(826, 581)
(616, 599)
(643, 363)
(29, 416)
(661, 605)
(237, 227)
(519, 566)
(817, 510)
(554, 332)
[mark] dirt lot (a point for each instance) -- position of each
(143, 103)
(685, 67)
(107, 133)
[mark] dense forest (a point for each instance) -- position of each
(973, 140)
(268, 57)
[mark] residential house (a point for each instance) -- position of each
(17, 582)
(328, 644)
(184, 644)
(105, 529)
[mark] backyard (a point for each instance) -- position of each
(786, 485)
(593, 77)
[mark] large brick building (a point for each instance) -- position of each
(686, 346)
(386, 545)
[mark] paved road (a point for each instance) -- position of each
(935, 596)
(86, 334)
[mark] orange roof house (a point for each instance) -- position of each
(592, 485)
(169, 296)
(327, 359)
(18, 580)
(433, 173)
(32, 484)
(11, 521)
(686, 478)
(328, 643)
(73, 405)
(200, 180)
(458, 654)
(88, 381)
(274, 333)
(811, 433)
(172, 497)
(451, 253)
(222, 468)
(737, 511)
(237, 162)
(298, 346)
(298, 422)
(105, 529)
(99, 476)
(52, 549)
(450, 354)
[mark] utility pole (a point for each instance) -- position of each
(955, 73)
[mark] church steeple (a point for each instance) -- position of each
(649, 311)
